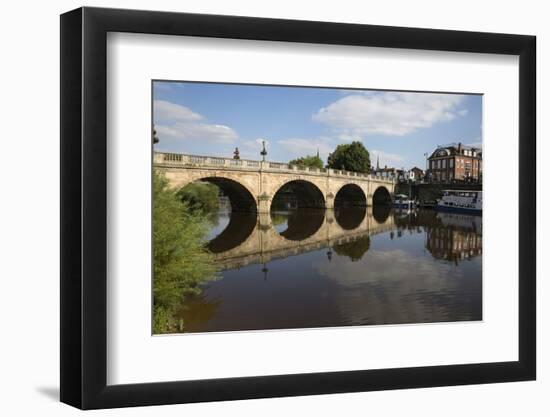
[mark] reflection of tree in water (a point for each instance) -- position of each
(202, 311)
(278, 219)
(354, 250)
(350, 218)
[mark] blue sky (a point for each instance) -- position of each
(399, 127)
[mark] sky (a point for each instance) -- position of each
(398, 127)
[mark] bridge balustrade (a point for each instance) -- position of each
(198, 159)
(173, 157)
(183, 159)
(217, 161)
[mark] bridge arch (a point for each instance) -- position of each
(240, 196)
(381, 196)
(307, 194)
(350, 195)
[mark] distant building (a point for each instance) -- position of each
(414, 174)
(398, 174)
(455, 162)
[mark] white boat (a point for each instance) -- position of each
(402, 201)
(463, 201)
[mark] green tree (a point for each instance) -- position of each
(200, 196)
(351, 157)
(180, 260)
(308, 161)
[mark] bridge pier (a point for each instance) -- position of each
(264, 204)
(329, 201)
(264, 221)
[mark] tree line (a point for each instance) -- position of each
(349, 157)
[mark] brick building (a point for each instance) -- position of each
(394, 173)
(455, 162)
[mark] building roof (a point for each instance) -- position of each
(454, 148)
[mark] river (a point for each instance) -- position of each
(310, 268)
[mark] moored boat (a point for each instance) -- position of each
(402, 201)
(464, 201)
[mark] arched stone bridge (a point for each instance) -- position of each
(252, 185)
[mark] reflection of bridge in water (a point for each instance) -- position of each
(250, 239)
(254, 239)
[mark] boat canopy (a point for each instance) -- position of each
(462, 191)
(401, 196)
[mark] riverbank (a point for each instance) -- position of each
(430, 192)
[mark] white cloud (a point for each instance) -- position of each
(255, 144)
(303, 147)
(397, 287)
(176, 122)
(390, 266)
(388, 113)
(349, 137)
(167, 111)
(389, 159)
(197, 131)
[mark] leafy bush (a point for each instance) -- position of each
(180, 260)
(308, 161)
(200, 196)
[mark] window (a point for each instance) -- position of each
(444, 163)
(451, 163)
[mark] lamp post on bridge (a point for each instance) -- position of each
(264, 151)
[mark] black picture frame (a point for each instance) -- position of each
(84, 207)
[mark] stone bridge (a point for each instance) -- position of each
(252, 185)
(254, 239)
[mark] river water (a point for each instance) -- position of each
(308, 268)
